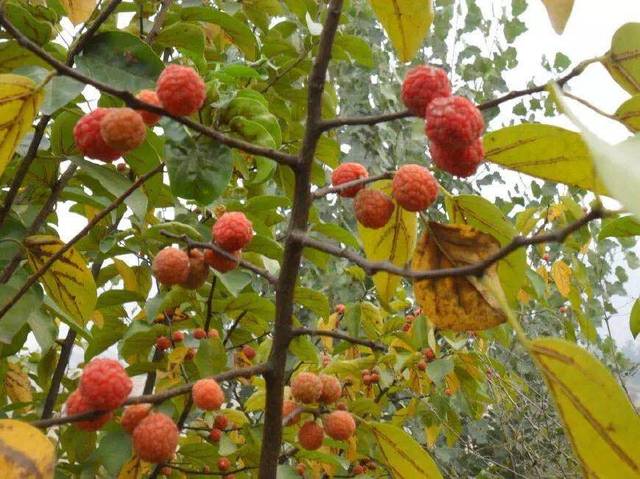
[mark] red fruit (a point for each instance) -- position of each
(213, 333)
(371, 465)
(198, 270)
(310, 436)
(331, 389)
(177, 336)
(373, 208)
(190, 354)
(409, 318)
(422, 365)
(166, 471)
(163, 343)
(300, 468)
(306, 387)
(133, 415)
(339, 425)
(180, 90)
(458, 161)
(340, 308)
(149, 96)
(76, 404)
(219, 262)
(366, 379)
(345, 173)
(171, 266)
(357, 469)
(429, 354)
(249, 352)
(563, 309)
(215, 434)
(155, 438)
(86, 134)
(546, 257)
(104, 384)
(448, 392)
(123, 129)
(199, 333)
(341, 406)
(221, 422)
(288, 407)
(121, 167)
(414, 187)
(453, 121)
(375, 377)
(423, 84)
(224, 464)
(207, 394)
(406, 327)
(232, 231)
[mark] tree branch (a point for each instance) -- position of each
(63, 361)
(319, 193)
(339, 335)
(159, 20)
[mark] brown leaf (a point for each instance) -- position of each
(459, 303)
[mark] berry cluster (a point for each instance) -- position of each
(453, 123)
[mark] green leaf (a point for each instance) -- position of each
(182, 35)
(211, 357)
(629, 113)
(13, 56)
(313, 300)
(634, 320)
(545, 151)
(114, 451)
(34, 28)
(601, 424)
(357, 48)
(437, 370)
(20, 312)
(623, 59)
(58, 92)
(336, 232)
(623, 227)
(304, 349)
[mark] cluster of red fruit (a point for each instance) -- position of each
(409, 318)
(370, 377)
(108, 133)
(231, 232)
(453, 123)
(309, 388)
(429, 356)
(365, 464)
(414, 188)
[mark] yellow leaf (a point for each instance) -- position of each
(561, 274)
(19, 103)
(601, 424)
(128, 275)
(134, 468)
(402, 455)
(457, 303)
(328, 324)
(406, 22)
(68, 281)
(629, 113)
(25, 453)
(559, 12)
(431, 433)
(394, 242)
(17, 384)
(78, 11)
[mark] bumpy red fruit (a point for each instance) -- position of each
(306, 387)
(163, 343)
(414, 187)
(458, 161)
(199, 333)
(171, 266)
(453, 121)
(373, 208)
(133, 415)
(207, 394)
(422, 85)
(123, 129)
(221, 263)
(339, 425)
(215, 434)
(331, 389)
(310, 436)
(86, 134)
(151, 97)
(155, 438)
(232, 231)
(76, 404)
(198, 270)
(180, 90)
(288, 407)
(347, 172)
(104, 384)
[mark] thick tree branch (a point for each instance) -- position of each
(339, 335)
(63, 361)
(319, 193)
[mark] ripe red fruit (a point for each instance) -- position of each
(341, 406)
(339, 425)
(86, 134)
(423, 84)
(310, 436)
(155, 438)
(190, 354)
(375, 377)
(177, 336)
(406, 327)
(422, 365)
(180, 90)
(366, 379)
(340, 308)
(171, 266)
(232, 231)
(166, 471)
(221, 263)
(373, 208)
(76, 404)
(345, 173)
(429, 354)
(546, 257)
(123, 129)
(306, 387)
(151, 97)
(453, 121)
(104, 384)
(221, 422)
(224, 464)
(207, 394)
(121, 167)
(198, 270)
(249, 352)
(563, 309)
(331, 389)
(357, 469)
(288, 407)
(458, 161)
(414, 187)
(213, 333)
(300, 468)
(448, 392)
(199, 333)
(163, 343)
(133, 415)
(215, 434)
(409, 318)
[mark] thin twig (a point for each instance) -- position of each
(63, 361)
(233, 327)
(319, 193)
(158, 22)
(338, 335)
(207, 320)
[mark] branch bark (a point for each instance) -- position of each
(339, 335)
(327, 190)
(159, 20)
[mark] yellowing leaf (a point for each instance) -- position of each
(623, 59)
(19, 103)
(68, 281)
(134, 468)
(25, 452)
(545, 151)
(17, 384)
(457, 303)
(561, 274)
(601, 424)
(629, 113)
(78, 11)
(328, 324)
(394, 242)
(559, 12)
(127, 274)
(406, 22)
(402, 455)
